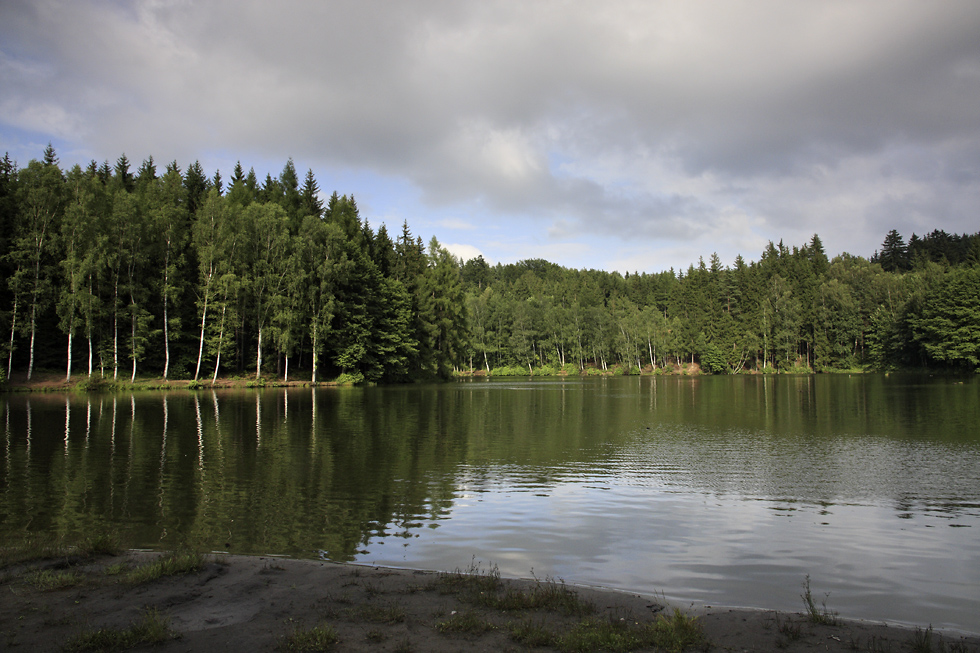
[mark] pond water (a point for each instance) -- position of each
(718, 490)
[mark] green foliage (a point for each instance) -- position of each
(947, 325)
(346, 378)
(164, 274)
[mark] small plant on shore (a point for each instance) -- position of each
(169, 565)
(678, 633)
(474, 579)
(150, 628)
(531, 633)
(391, 613)
(319, 638)
(464, 622)
(821, 615)
(544, 595)
(53, 580)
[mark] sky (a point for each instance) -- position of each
(628, 136)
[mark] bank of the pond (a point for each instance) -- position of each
(50, 382)
(234, 603)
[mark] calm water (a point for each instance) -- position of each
(723, 490)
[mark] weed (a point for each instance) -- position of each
(404, 646)
(150, 628)
(543, 595)
(169, 565)
(100, 544)
(791, 630)
(53, 580)
(600, 635)
(375, 636)
(875, 645)
(474, 579)
(922, 643)
(677, 633)
(464, 622)
(116, 569)
(391, 613)
(531, 634)
(814, 614)
(922, 640)
(319, 638)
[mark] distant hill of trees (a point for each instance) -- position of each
(111, 272)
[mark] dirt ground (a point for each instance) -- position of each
(237, 603)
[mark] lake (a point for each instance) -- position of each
(726, 490)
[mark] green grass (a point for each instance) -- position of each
(673, 634)
(475, 579)
(531, 633)
(169, 565)
(464, 623)
(319, 638)
(549, 595)
(53, 580)
(390, 613)
(150, 628)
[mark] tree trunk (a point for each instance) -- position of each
(133, 347)
(200, 347)
(166, 326)
(68, 371)
(313, 378)
(221, 335)
(115, 332)
(30, 365)
(13, 330)
(258, 356)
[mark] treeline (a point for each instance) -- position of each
(914, 305)
(109, 272)
(112, 273)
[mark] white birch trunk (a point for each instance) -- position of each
(68, 371)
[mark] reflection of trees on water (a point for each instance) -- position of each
(302, 470)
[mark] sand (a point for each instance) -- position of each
(239, 603)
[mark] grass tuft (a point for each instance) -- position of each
(150, 628)
(53, 580)
(532, 634)
(169, 565)
(544, 595)
(678, 633)
(474, 579)
(391, 613)
(319, 638)
(464, 623)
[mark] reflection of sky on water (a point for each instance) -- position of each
(638, 528)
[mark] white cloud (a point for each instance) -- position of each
(464, 252)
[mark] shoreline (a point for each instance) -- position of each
(50, 382)
(233, 602)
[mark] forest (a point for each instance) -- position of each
(112, 273)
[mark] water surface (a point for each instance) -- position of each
(724, 490)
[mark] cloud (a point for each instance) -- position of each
(464, 252)
(671, 124)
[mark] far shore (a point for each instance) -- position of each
(47, 381)
(220, 602)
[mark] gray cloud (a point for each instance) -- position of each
(635, 120)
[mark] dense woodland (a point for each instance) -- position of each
(114, 273)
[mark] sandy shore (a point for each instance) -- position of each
(236, 603)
